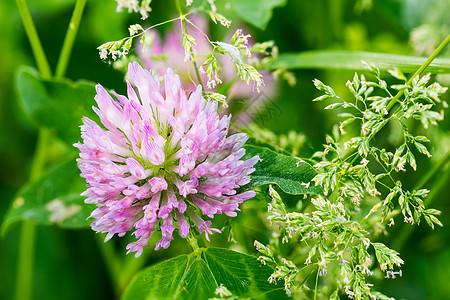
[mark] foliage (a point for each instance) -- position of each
(53, 199)
(352, 60)
(204, 276)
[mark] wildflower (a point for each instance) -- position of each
(163, 159)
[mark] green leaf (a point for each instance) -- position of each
(351, 60)
(176, 278)
(257, 13)
(52, 199)
(285, 171)
(243, 275)
(198, 283)
(160, 281)
(58, 105)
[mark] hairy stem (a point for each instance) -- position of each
(33, 37)
(72, 30)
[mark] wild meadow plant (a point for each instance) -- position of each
(335, 231)
(163, 166)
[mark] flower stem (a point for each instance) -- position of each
(317, 283)
(132, 265)
(120, 269)
(36, 46)
(72, 30)
(192, 240)
(198, 74)
(111, 260)
(25, 265)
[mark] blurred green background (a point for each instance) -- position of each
(68, 263)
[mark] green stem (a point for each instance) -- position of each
(441, 182)
(37, 164)
(420, 70)
(72, 30)
(317, 283)
(198, 74)
(25, 265)
(183, 21)
(180, 11)
(120, 270)
(132, 265)
(432, 172)
(30, 29)
(192, 240)
(111, 260)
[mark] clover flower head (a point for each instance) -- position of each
(161, 160)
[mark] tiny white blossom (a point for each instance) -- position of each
(103, 54)
(349, 292)
(391, 222)
(222, 291)
(142, 7)
(133, 29)
(232, 51)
